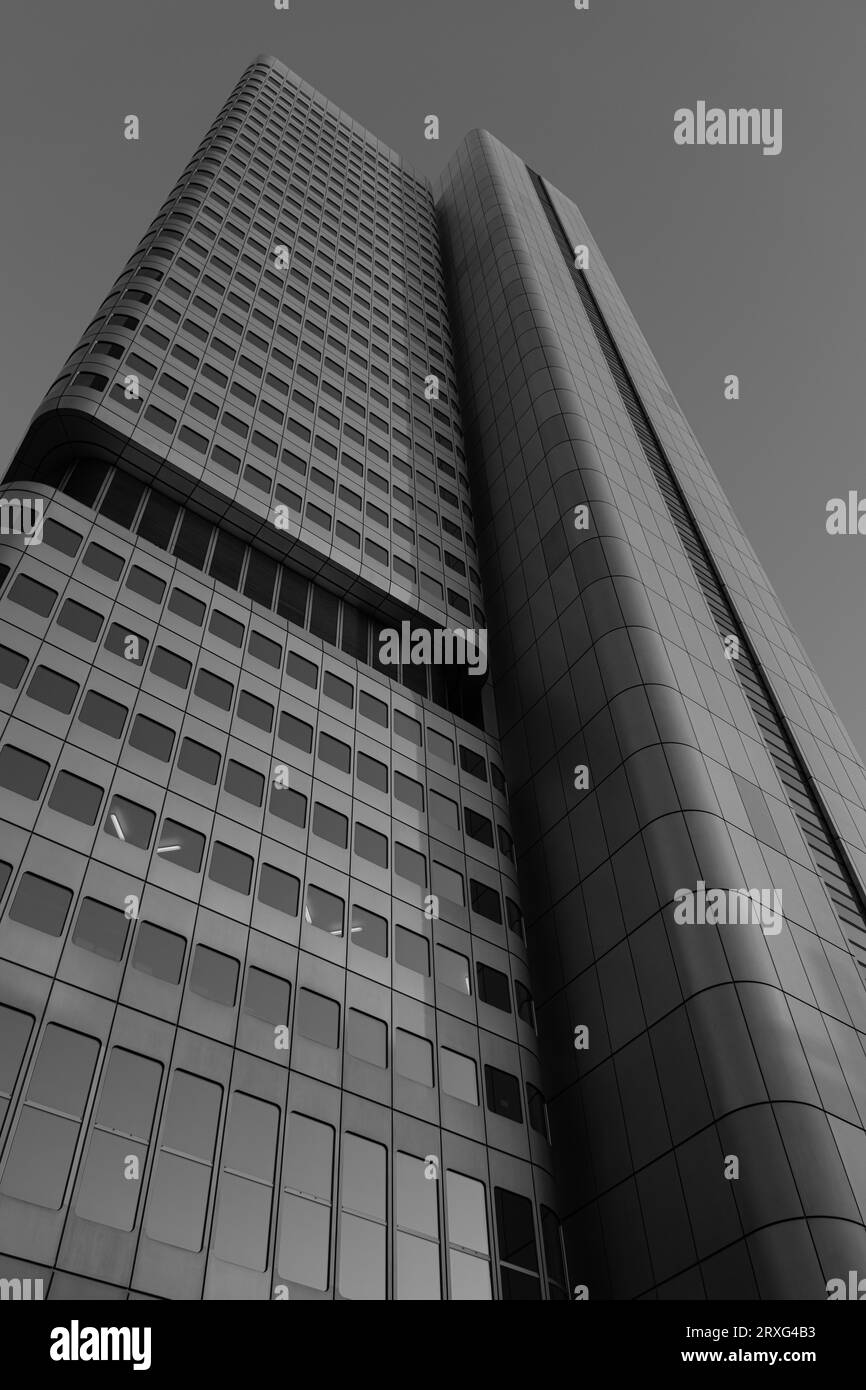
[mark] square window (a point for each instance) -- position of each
(128, 821)
(178, 844)
(159, 953)
(370, 845)
(409, 864)
(105, 562)
(263, 649)
(41, 903)
(226, 629)
(330, 825)
(142, 582)
(255, 711)
(170, 667)
(52, 689)
(371, 771)
(367, 1038)
(186, 607)
(478, 827)
(214, 975)
(324, 910)
(20, 772)
(335, 753)
(12, 667)
(473, 763)
(231, 868)
(216, 691)
(101, 928)
(244, 782)
(493, 987)
(38, 598)
(458, 1076)
(80, 620)
(374, 710)
(485, 900)
(452, 969)
(318, 1018)
(279, 890)
(128, 645)
(267, 996)
(295, 732)
(151, 738)
(414, 1058)
(503, 1094)
(98, 712)
(199, 761)
(369, 931)
(74, 797)
(412, 950)
(339, 691)
(408, 790)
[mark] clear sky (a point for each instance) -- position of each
(731, 261)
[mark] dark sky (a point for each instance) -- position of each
(731, 261)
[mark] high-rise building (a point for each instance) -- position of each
(324, 976)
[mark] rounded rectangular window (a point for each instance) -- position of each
(214, 975)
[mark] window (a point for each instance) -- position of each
(12, 667)
(80, 620)
(231, 868)
(478, 827)
(41, 904)
(330, 825)
(171, 668)
(245, 783)
(371, 771)
(243, 1212)
(469, 1265)
(305, 1217)
(128, 821)
(288, 805)
(38, 598)
(211, 688)
(372, 846)
(52, 689)
(103, 561)
(453, 970)
(146, 584)
(362, 1263)
(279, 890)
(485, 900)
(448, 884)
(416, 1214)
(525, 1006)
(61, 538)
(199, 761)
(263, 649)
(156, 740)
(226, 629)
(406, 789)
(42, 1147)
(107, 716)
(267, 996)
(440, 747)
(255, 711)
(73, 796)
(369, 931)
(121, 1130)
(553, 1260)
(295, 732)
(20, 772)
(300, 670)
(318, 1018)
(185, 606)
(159, 953)
(341, 692)
(536, 1110)
(371, 708)
(324, 910)
(101, 928)
(493, 987)
(177, 1204)
(414, 1058)
(367, 1038)
(214, 975)
(409, 864)
(518, 1257)
(407, 728)
(180, 845)
(15, 1030)
(458, 1076)
(335, 753)
(503, 1094)
(412, 950)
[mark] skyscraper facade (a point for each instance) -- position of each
(323, 976)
